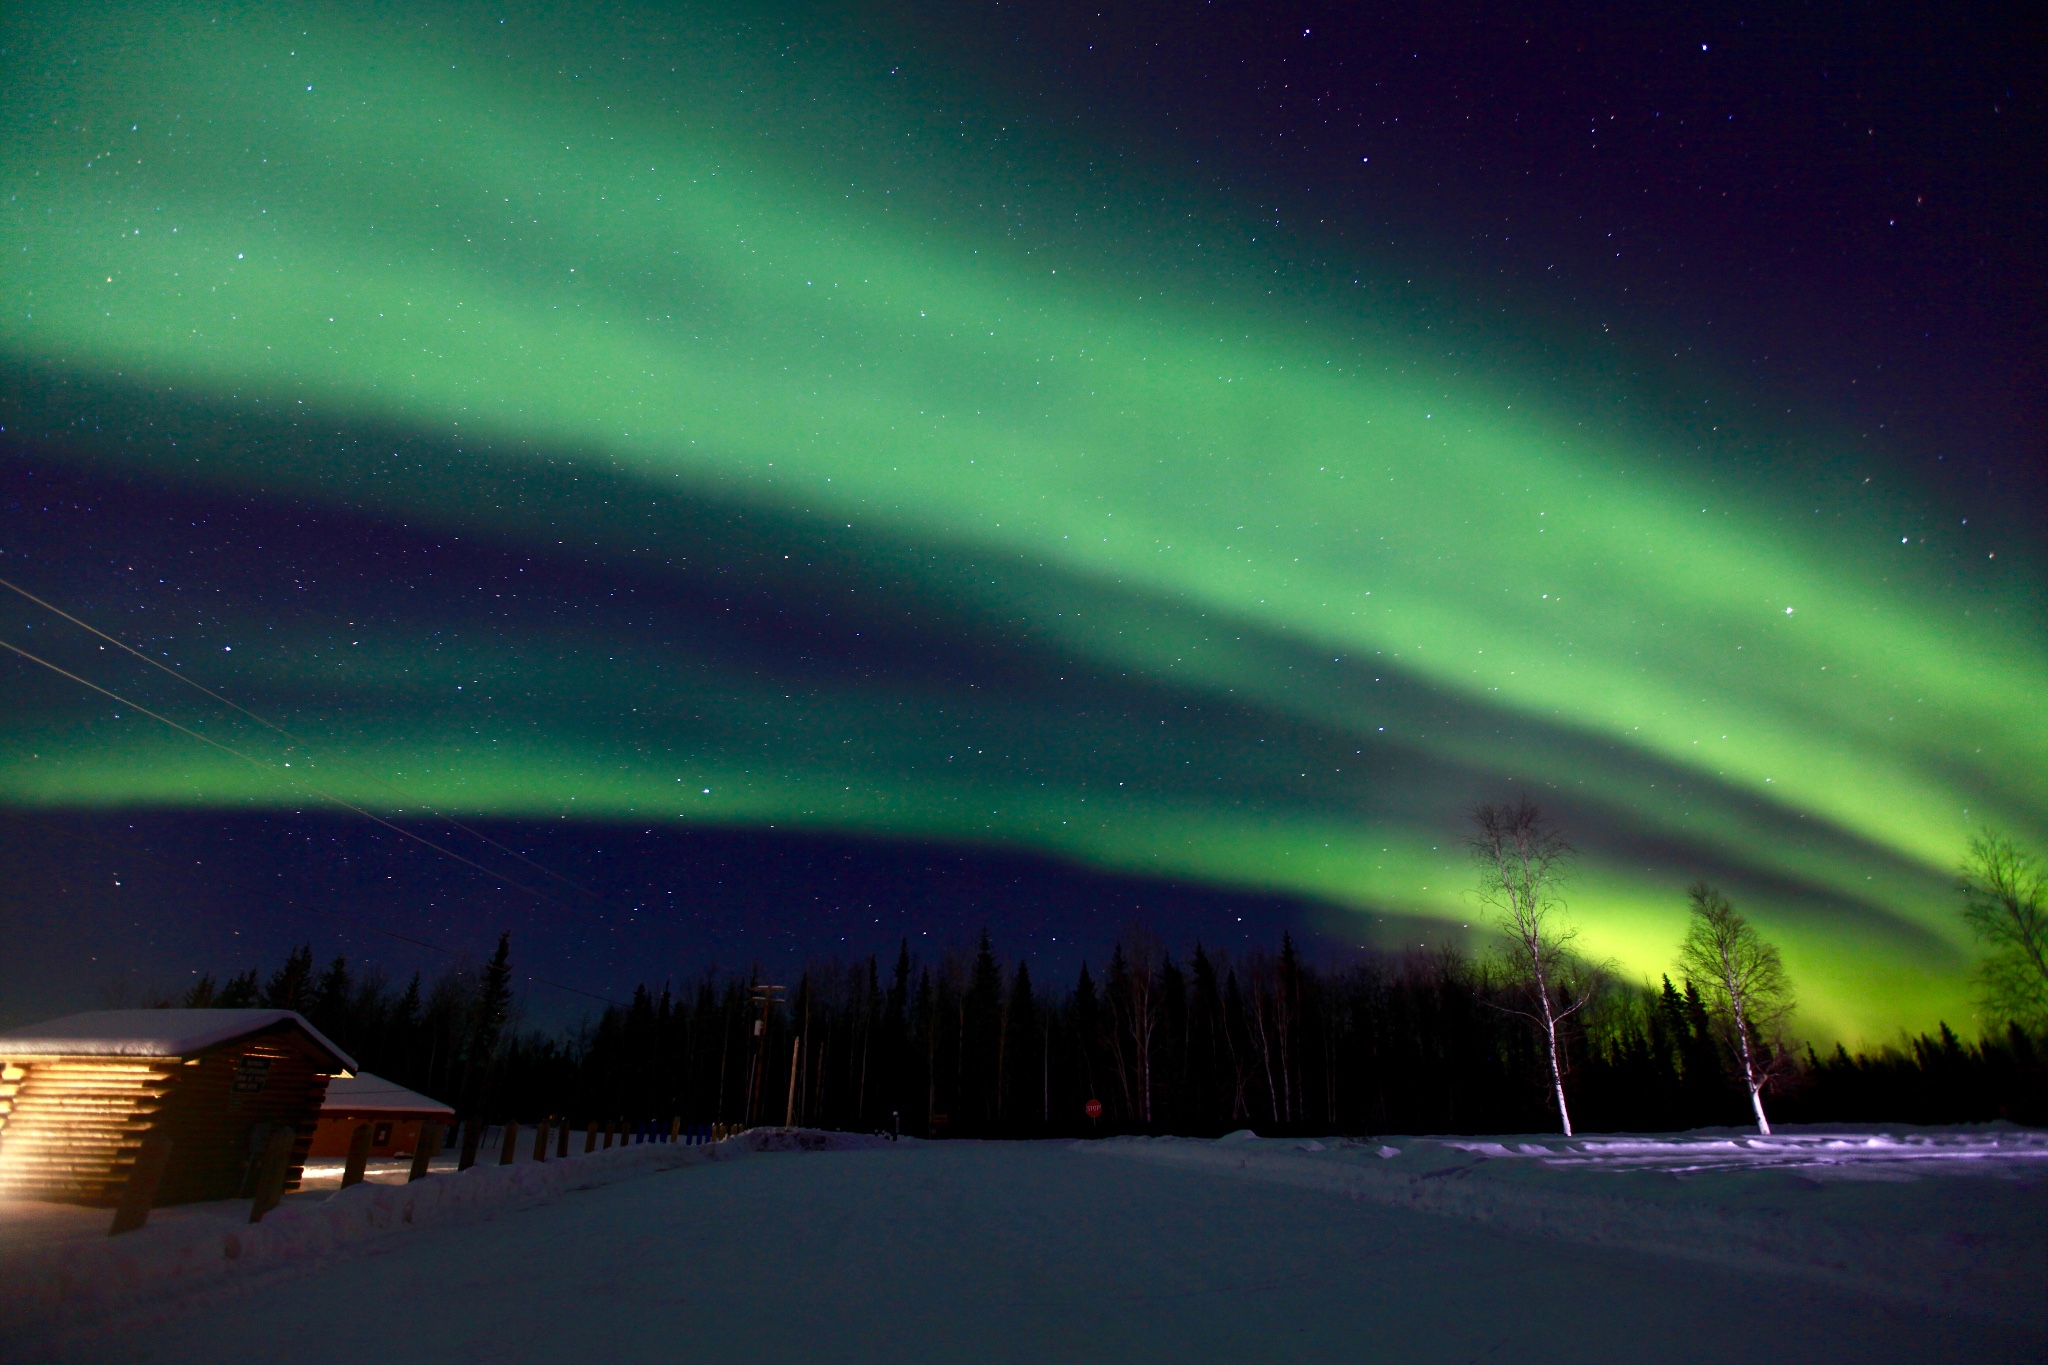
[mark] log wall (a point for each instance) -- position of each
(70, 1127)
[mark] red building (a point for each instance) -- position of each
(395, 1116)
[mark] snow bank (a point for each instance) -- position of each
(1953, 1218)
(55, 1282)
(1832, 1153)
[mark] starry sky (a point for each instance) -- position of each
(724, 483)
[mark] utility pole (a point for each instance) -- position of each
(795, 1051)
(766, 997)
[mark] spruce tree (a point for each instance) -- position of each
(1087, 1032)
(239, 993)
(1237, 1038)
(1204, 1047)
(292, 987)
(896, 1013)
(402, 1029)
(328, 1008)
(1169, 1064)
(1706, 1076)
(487, 1024)
(1027, 1083)
(981, 1040)
(493, 1001)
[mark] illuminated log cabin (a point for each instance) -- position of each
(78, 1095)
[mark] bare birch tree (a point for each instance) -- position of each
(1259, 1008)
(2005, 903)
(1522, 860)
(1743, 982)
(1144, 955)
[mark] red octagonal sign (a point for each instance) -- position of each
(1095, 1109)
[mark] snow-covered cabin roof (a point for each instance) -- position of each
(154, 1033)
(363, 1093)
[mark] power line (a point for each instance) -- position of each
(272, 725)
(299, 782)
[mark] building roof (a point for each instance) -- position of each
(363, 1093)
(155, 1033)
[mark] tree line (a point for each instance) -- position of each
(1523, 1038)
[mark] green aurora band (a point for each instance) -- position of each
(613, 280)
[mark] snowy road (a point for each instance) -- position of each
(1015, 1252)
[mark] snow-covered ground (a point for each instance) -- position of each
(1708, 1247)
(1831, 1153)
(1947, 1218)
(59, 1267)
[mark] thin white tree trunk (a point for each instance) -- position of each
(1265, 1054)
(1564, 1114)
(1756, 1097)
(1142, 1025)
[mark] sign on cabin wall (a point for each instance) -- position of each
(251, 1075)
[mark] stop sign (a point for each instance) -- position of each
(1094, 1109)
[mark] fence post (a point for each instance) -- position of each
(509, 1152)
(472, 1138)
(611, 1130)
(675, 1127)
(562, 1140)
(139, 1194)
(358, 1156)
(423, 1151)
(590, 1138)
(540, 1140)
(277, 1155)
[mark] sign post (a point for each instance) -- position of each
(767, 997)
(139, 1194)
(423, 1152)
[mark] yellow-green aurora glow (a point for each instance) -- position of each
(616, 282)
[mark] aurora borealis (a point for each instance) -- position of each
(799, 443)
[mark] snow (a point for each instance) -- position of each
(1951, 1218)
(60, 1267)
(149, 1033)
(363, 1093)
(1832, 1153)
(787, 1246)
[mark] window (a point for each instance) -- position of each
(381, 1137)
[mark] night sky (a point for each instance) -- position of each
(789, 481)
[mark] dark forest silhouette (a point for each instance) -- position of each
(966, 1046)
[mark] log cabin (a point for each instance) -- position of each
(79, 1094)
